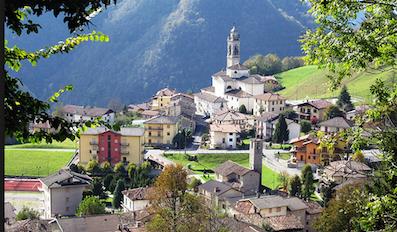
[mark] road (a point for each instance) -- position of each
(278, 165)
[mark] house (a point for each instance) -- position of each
(231, 117)
(234, 86)
(139, 108)
(162, 98)
(136, 199)
(269, 102)
(63, 192)
(312, 110)
(266, 124)
(37, 126)
(102, 145)
(358, 110)
(336, 124)
(161, 130)
(345, 170)
(224, 136)
(76, 113)
(181, 104)
(233, 181)
(147, 114)
(307, 150)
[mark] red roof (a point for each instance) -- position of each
(22, 185)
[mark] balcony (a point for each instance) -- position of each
(124, 152)
(154, 128)
(124, 144)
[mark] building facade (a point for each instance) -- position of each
(161, 130)
(75, 113)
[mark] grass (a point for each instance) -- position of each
(34, 163)
(281, 146)
(285, 156)
(210, 161)
(67, 144)
(311, 82)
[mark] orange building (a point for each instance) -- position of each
(307, 150)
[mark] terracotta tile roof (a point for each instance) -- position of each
(347, 169)
(142, 106)
(269, 97)
(318, 104)
(85, 110)
(338, 122)
(283, 223)
(313, 207)
(266, 78)
(225, 128)
(141, 193)
(301, 138)
(244, 207)
(238, 93)
(150, 113)
(230, 167)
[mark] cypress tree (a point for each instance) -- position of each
(308, 181)
(344, 100)
(281, 133)
(117, 195)
(295, 186)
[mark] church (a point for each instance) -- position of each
(236, 86)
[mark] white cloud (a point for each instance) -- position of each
(123, 9)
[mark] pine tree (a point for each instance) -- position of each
(344, 100)
(117, 195)
(295, 186)
(308, 181)
(281, 133)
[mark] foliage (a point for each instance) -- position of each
(290, 62)
(351, 35)
(342, 212)
(327, 192)
(307, 182)
(333, 112)
(27, 213)
(281, 133)
(194, 184)
(295, 186)
(306, 126)
(106, 167)
(117, 195)
(344, 100)
(358, 156)
(139, 175)
(92, 166)
(107, 180)
(77, 168)
(283, 179)
(264, 65)
(242, 109)
(120, 168)
(126, 118)
(97, 188)
(90, 206)
(290, 114)
(182, 138)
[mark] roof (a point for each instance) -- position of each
(230, 167)
(266, 78)
(284, 223)
(252, 79)
(295, 203)
(97, 223)
(125, 131)
(141, 106)
(141, 193)
(226, 128)
(347, 168)
(209, 89)
(318, 104)
(269, 97)
(267, 116)
(267, 202)
(30, 225)
(222, 74)
(150, 113)
(301, 138)
(65, 177)
(238, 93)
(165, 92)
(215, 187)
(162, 119)
(209, 97)
(313, 207)
(230, 115)
(338, 122)
(238, 67)
(86, 110)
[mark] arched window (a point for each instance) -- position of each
(230, 50)
(235, 51)
(228, 87)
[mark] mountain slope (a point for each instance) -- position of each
(311, 82)
(154, 44)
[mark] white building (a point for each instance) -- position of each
(136, 199)
(224, 136)
(269, 102)
(63, 192)
(75, 113)
(235, 84)
(266, 124)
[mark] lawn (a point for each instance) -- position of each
(298, 83)
(210, 161)
(34, 163)
(67, 144)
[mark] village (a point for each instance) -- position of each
(256, 156)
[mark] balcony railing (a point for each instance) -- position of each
(154, 128)
(124, 152)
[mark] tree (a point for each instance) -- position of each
(106, 167)
(295, 186)
(290, 62)
(307, 182)
(264, 65)
(90, 206)
(306, 126)
(21, 107)
(117, 195)
(290, 114)
(182, 138)
(283, 178)
(344, 100)
(358, 156)
(107, 180)
(119, 168)
(351, 36)
(327, 191)
(27, 213)
(281, 133)
(97, 188)
(333, 112)
(194, 184)
(242, 109)
(92, 166)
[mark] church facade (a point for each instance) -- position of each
(234, 86)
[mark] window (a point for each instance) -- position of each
(124, 159)
(272, 109)
(230, 140)
(161, 104)
(223, 140)
(150, 141)
(116, 141)
(273, 103)
(278, 209)
(150, 133)
(230, 133)
(168, 133)
(314, 110)
(308, 157)
(314, 150)
(270, 210)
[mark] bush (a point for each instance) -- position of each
(119, 168)
(90, 206)
(306, 126)
(106, 167)
(93, 167)
(27, 213)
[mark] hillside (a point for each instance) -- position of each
(311, 82)
(154, 44)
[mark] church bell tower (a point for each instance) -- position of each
(233, 47)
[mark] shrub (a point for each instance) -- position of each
(90, 206)
(27, 213)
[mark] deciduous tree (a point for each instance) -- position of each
(333, 112)
(90, 206)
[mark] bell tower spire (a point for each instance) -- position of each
(233, 47)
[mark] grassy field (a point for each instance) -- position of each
(67, 144)
(210, 161)
(311, 82)
(34, 163)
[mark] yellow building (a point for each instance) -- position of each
(162, 98)
(102, 145)
(160, 130)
